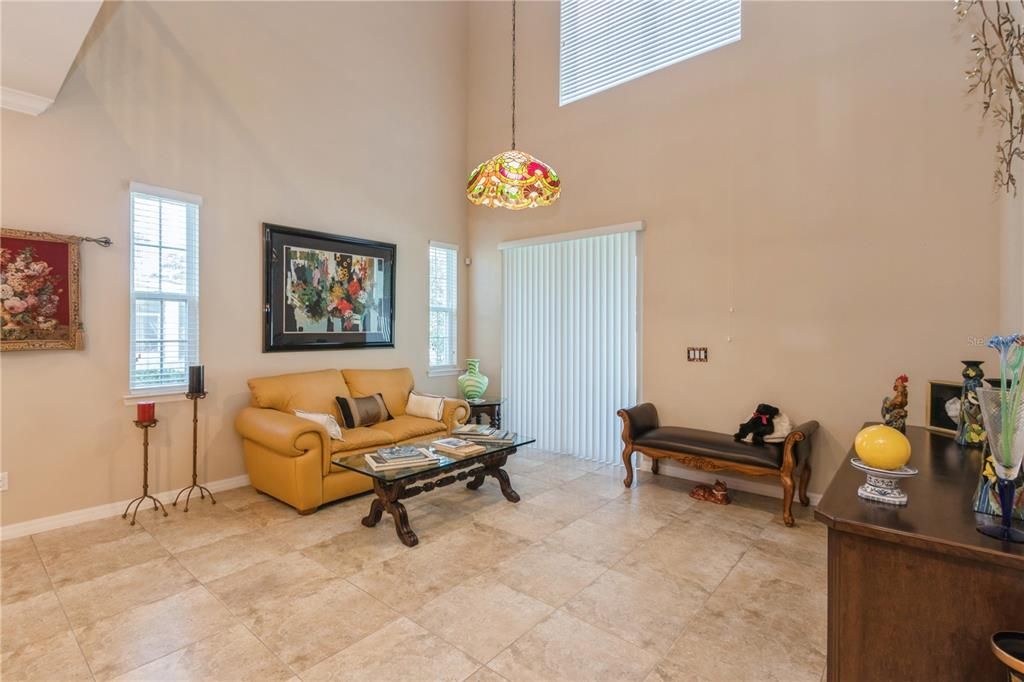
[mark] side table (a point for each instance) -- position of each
(489, 406)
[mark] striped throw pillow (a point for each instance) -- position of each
(365, 411)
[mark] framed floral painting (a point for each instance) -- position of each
(324, 291)
(39, 304)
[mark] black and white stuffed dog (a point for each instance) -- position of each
(760, 424)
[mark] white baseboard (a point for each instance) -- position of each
(744, 484)
(17, 530)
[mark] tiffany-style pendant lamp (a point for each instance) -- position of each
(513, 179)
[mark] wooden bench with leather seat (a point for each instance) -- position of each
(710, 451)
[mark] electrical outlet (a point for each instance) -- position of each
(3, 481)
(697, 354)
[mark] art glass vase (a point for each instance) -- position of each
(473, 383)
(971, 431)
(1004, 427)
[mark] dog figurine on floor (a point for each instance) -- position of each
(760, 424)
(719, 493)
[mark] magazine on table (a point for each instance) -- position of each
(401, 452)
(458, 446)
(378, 462)
(496, 437)
(474, 430)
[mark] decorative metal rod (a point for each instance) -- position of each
(145, 426)
(203, 490)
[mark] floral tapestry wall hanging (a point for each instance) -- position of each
(324, 291)
(39, 291)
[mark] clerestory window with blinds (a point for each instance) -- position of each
(444, 297)
(164, 325)
(607, 42)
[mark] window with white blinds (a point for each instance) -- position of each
(164, 325)
(608, 42)
(444, 300)
(569, 340)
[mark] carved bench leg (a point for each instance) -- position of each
(787, 497)
(805, 478)
(627, 459)
(655, 461)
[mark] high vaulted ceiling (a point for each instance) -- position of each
(39, 43)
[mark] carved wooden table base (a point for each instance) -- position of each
(390, 492)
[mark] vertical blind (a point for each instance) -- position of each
(444, 297)
(608, 42)
(164, 325)
(570, 342)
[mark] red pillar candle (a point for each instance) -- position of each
(145, 412)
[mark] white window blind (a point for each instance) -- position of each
(164, 325)
(608, 42)
(569, 342)
(444, 299)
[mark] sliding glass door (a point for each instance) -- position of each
(570, 339)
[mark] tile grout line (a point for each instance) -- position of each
(60, 602)
(706, 600)
(245, 625)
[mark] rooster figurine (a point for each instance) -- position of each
(894, 408)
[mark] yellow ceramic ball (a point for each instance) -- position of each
(882, 447)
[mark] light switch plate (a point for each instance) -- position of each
(3, 481)
(697, 354)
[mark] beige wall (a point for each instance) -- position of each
(825, 177)
(342, 117)
(1012, 263)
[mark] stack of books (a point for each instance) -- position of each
(458, 447)
(400, 458)
(485, 435)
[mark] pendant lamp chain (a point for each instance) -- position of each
(513, 74)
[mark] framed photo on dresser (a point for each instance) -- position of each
(938, 408)
(323, 291)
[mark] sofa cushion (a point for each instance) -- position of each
(362, 411)
(394, 384)
(406, 427)
(306, 391)
(711, 444)
(361, 438)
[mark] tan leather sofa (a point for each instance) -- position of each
(290, 458)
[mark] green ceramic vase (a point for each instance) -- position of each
(472, 383)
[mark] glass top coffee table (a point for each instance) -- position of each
(398, 484)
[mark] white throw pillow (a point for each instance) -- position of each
(326, 420)
(426, 406)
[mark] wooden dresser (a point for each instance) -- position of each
(915, 592)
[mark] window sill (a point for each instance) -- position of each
(156, 396)
(444, 371)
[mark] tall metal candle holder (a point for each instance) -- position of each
(195, 398)
(145, 426)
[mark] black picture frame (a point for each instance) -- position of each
(324, 291)
(940, 392)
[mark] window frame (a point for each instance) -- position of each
(190, 297)
(453, 368)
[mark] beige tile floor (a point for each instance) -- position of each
(582, 580)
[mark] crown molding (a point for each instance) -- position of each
(23, 102)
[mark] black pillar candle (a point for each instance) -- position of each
(196, 379)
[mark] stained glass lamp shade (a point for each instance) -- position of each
(513, 180)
